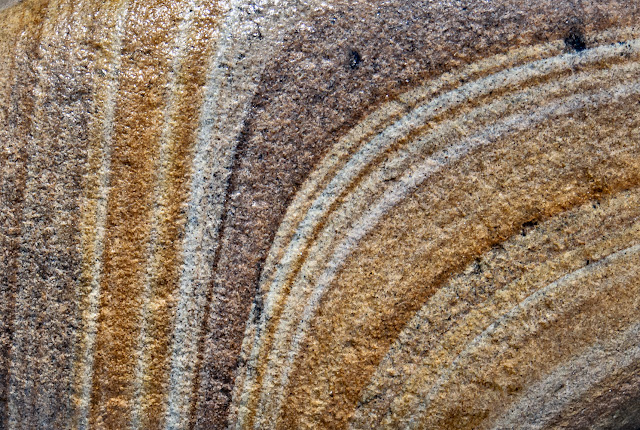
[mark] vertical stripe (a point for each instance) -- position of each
(108, 26)
(190, 78)
(192, 45)
(247, 35)
(49, 257)
(138, 120)
(23, 106)
(16, 73)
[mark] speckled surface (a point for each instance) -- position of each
(304, 214)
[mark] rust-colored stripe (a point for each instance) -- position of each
(104, 33)
(377, 161)
(590, 322)
(189, 92)
(138, 123)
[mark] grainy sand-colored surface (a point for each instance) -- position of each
(319, 214)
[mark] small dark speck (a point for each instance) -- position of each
(528, 226)
(354, 59)
(477, 267)
(575, 41)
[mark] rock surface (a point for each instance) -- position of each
(319, 214)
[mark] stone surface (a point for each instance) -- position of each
(304, 214)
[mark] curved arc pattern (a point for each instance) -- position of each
(522, 308)
(411, 226)
(437, 105)
(245, 36)
(458, 313)
(571, 380)
(326, 199)
(408, 183)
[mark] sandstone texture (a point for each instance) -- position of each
(306, 214)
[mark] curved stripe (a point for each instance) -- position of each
(571, 380)
(153, 149)
(487, 290)
(387, 116)
(332, 192)
(421, 144)
(513, 315)
(404, 186)
(419, 116)
(238, 62)
(358, 162)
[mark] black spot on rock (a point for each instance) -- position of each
(354, 59)
(528, 226)
(575, 41)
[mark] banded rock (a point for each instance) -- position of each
(319, 214)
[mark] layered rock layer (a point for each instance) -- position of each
(309, 214)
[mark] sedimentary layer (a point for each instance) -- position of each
(304, 214)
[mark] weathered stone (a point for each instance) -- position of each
(306, 214)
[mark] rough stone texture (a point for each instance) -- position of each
(304, 214)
